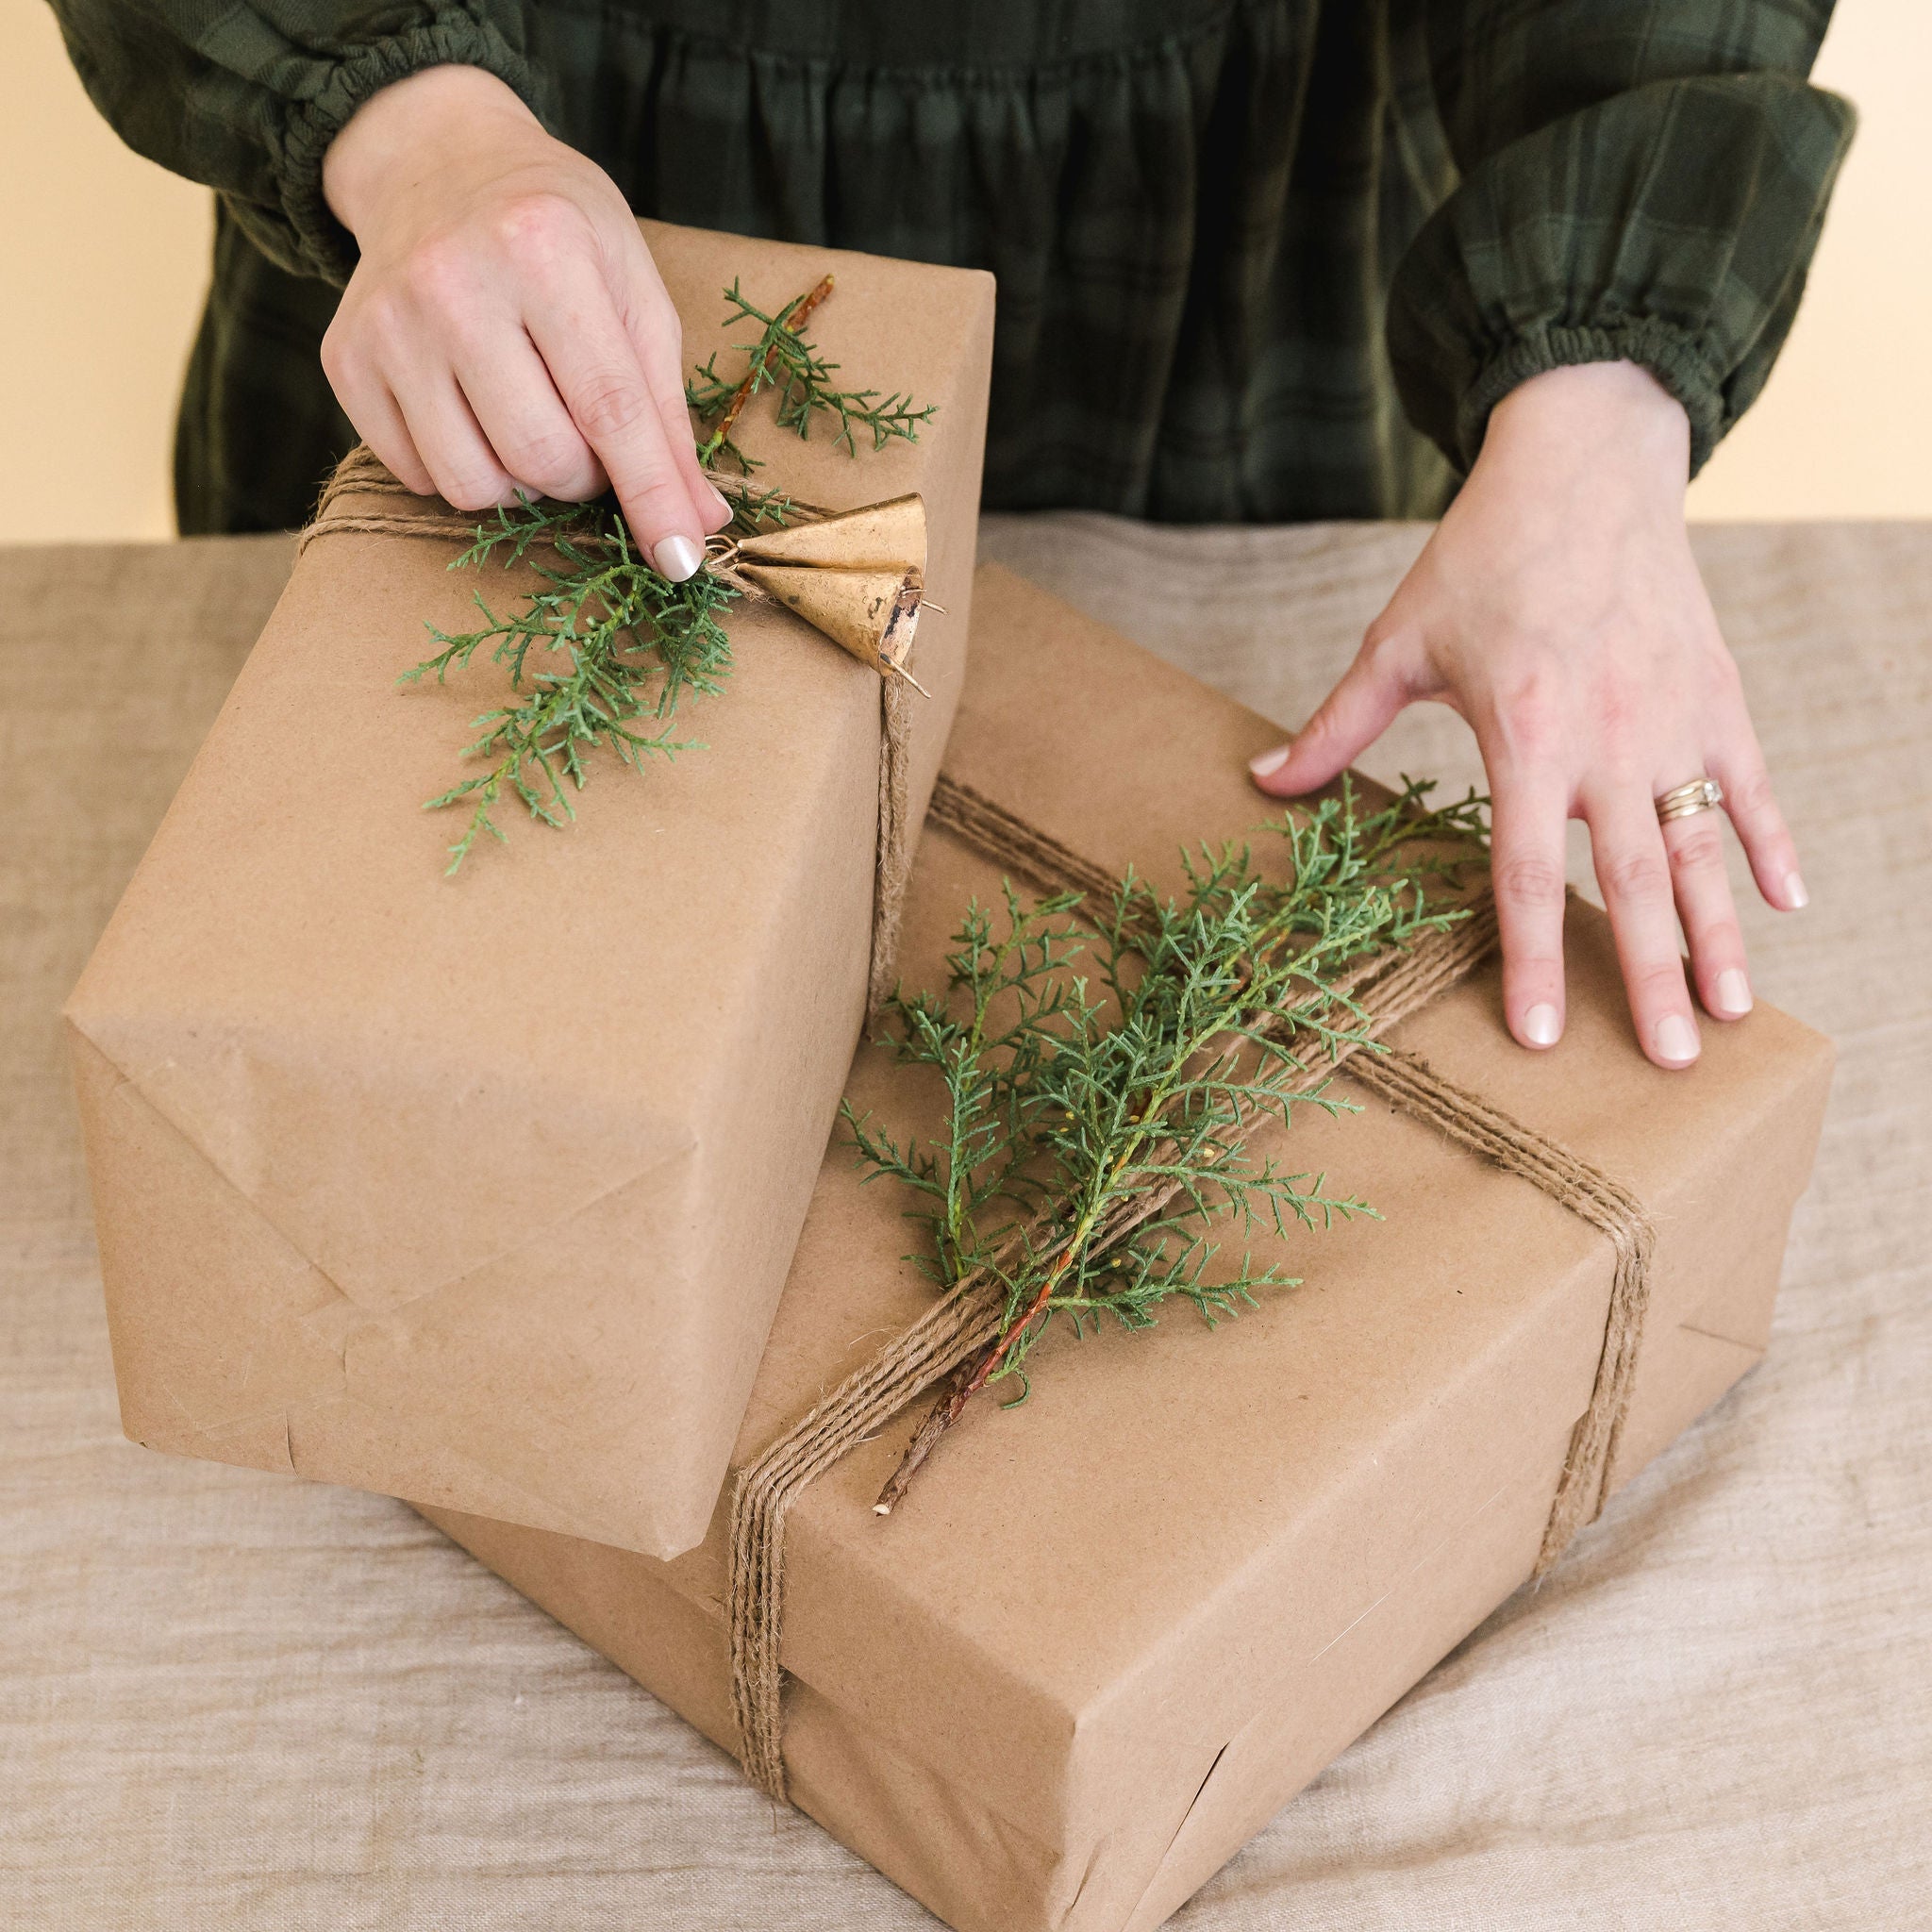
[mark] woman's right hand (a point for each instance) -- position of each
(506, 327)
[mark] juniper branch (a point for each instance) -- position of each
(782, 360)
(1096, 1142)
(627, 644)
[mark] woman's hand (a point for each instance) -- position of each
(1558, 609)
(506, 326)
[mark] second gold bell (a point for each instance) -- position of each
(858, 577)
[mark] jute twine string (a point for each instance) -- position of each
(362, 472)
(971, 1315)
(362, 475)
(1032, 856)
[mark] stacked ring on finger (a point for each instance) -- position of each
(1683, 801)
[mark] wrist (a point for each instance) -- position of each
(409, 132)
(1605, 414)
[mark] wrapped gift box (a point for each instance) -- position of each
(483, 1189)
(1108, 1634)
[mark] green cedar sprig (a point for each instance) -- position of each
(632, 643)
(1097, 1124)
(627, 644)
(781, 359)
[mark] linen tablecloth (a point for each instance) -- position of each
(229, 1699)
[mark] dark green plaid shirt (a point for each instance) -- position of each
(1258, 259)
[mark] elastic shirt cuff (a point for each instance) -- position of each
(1670, 353)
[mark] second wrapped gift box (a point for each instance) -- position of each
(1107, 1634)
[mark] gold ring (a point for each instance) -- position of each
(1681, 801)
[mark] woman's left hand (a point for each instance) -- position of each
(1558, 609)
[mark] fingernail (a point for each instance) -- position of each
(676, 558)
(1270, 761)
(1676, 1039)
(724, 502)
(1541, 1026)
(1733, 992)
(1796, 895)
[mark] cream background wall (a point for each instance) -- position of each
(103, 259)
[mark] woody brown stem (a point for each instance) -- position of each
(938, 1419)
(967, 1379)
(793, 319)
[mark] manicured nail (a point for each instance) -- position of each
(1733, 992)
(676, 558)
(1270, 761)
(1676, 1039)
(1796, 897)
(723, 501)
(1541, 1026)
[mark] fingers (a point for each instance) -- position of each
(371, 407)
(595, 369)
(518, 408)
(453, 448)
(1754, 812)
(1362, 707)
(1529, 811)
(392, 375)
(1634, 871)
(1696, 849)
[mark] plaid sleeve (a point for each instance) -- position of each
(1638, 182)
(246, 98)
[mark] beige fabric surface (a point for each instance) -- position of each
(233, 1699)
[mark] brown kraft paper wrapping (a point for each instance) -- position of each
(1108, 1634)
(483, 1190)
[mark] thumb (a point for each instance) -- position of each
(1373, 690)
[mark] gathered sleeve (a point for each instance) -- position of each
(1636, 182)
(246, 95)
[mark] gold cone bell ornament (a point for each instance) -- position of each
(858, 576)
